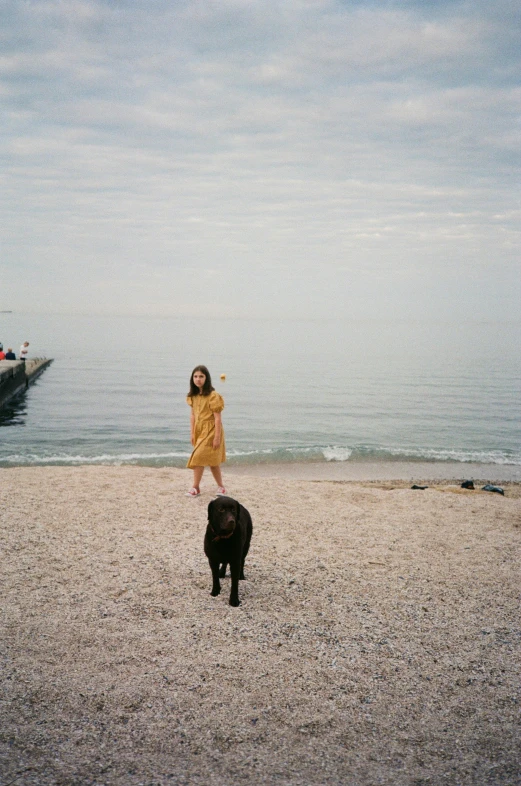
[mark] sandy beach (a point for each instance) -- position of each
(378, 640)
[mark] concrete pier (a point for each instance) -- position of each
(16, 376)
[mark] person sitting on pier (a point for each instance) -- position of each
(2, 354)
(9, 355)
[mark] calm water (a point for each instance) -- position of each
(294, 390)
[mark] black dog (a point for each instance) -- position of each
(227, 541)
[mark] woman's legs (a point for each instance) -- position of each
(198, 474)
(216, 472)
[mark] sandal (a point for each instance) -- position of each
(193, 493)
(221, 491)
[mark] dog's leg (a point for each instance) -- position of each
(222, 572)
(216, 584)
(244, 554)
(235, 570)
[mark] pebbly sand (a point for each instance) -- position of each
(378, 640)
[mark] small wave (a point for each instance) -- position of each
(336, 453)
(297, 453)
(340, 453)
(462, 456)
(271, 451)
(253, 452)
(106, 458)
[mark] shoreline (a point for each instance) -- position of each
(360, 471)
(331, 471)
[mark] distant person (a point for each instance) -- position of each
(207, 436)
(2, 355)
(9, 355)
(24, 351)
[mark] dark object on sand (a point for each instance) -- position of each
(419, 487)
(467, 484)
(489, 487)
(227, 541)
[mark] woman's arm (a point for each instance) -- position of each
(218, 428)
(192, 427)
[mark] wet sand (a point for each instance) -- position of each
(415, 471)
(378, 640)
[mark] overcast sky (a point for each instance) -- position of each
(261, 157)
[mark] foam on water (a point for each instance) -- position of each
(329, 454)
(464, 456)
(122, 458)
(336, 453)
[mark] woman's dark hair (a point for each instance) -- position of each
(207, 387)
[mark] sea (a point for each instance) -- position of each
(309, 390)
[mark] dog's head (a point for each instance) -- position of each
(223, 515)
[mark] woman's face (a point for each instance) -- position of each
(199, 379)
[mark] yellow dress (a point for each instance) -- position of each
(203, 454)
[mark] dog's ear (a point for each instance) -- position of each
(237, 511)
(210, 510)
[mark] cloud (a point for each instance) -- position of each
(322, 140)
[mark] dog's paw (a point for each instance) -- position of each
(234, 601)
(215, 591)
